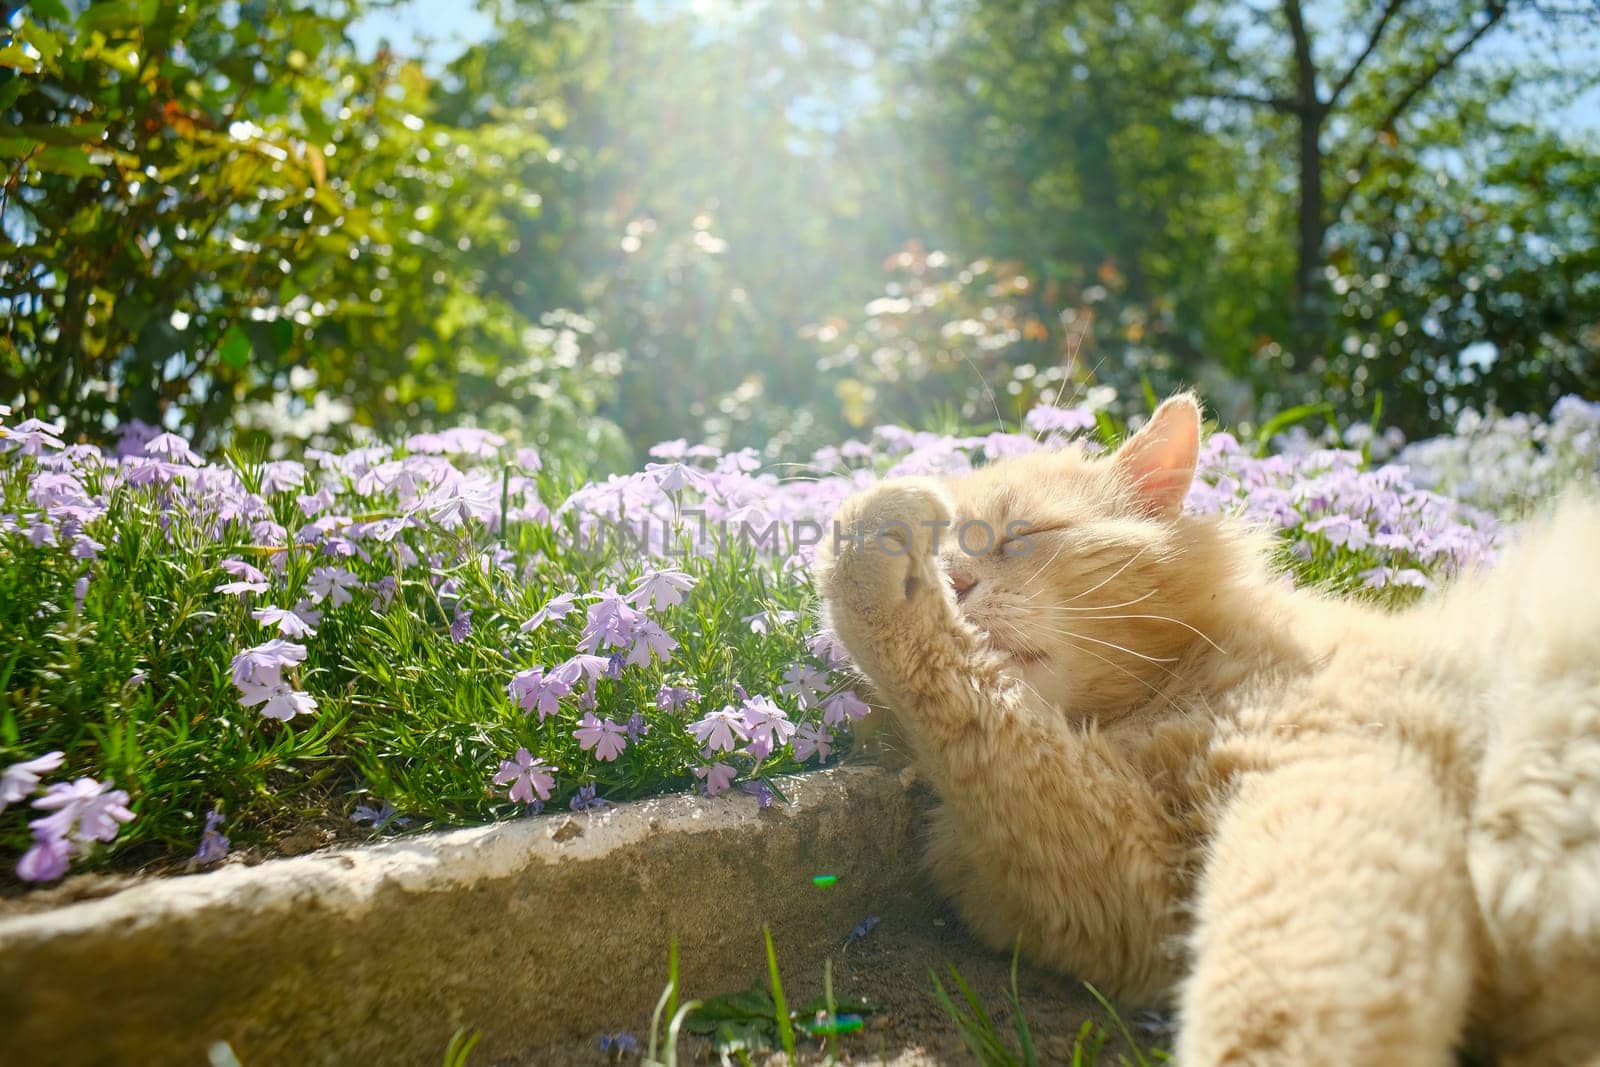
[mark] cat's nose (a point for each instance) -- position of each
(962, 583)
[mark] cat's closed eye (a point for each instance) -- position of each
(1018, 537)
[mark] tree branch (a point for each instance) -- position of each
(1308, 103)
(1390, 9)
(1441, 66)
(1276, 103)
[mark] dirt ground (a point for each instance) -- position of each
(889, 967)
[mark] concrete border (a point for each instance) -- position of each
(532, 931)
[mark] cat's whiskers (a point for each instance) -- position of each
(1110, 578)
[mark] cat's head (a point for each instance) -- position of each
(1091, 581)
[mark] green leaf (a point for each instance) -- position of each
(116, 15)
(60, 159)
(235, 347)
(53, 9)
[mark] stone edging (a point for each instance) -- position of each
(531, 931)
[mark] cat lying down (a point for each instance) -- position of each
(1327, 833)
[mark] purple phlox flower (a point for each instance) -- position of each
(804, 682)
(720, 731)
(80, 590)
(766, 722)
(257, 673)
(585, 800)
(309, 613)
(811, 740)
(1341, 530)
(605, 737)
(267, 532)
(21, 779)
(610, 624)
(672, 697)
(316, 503)
(289, 623)
(31, 437)
(375, 815)
(744, 461)
(1047, 418)
(530, 778)
(1381, 577)
(41, 534)
(278, 700)
(264, 662)
(582, 665)
(85, 809)
(534, 690)
(47, 860)
(675, 477)
(717, 778)
(614, 664)
(844, 706)
(660, 589)
(461, 625)
(637, 727)
(173, 449)
(459, 440)
(528, 459)
(762, 621)
(462, 499)
(650, 639)
(826, 646)
(558, 608)
(243, 571)
(760, 790)
(621, 1042)
(213, 845)
(86, 547)
(240, 588)
(282, 475)
(384, 590)
(332, 583)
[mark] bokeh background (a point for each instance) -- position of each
(603, 225)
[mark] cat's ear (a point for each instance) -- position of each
(1159, 460)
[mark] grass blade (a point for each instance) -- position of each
(780, 1009)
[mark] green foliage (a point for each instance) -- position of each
(214, 210)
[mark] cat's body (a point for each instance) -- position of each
(1329, 833)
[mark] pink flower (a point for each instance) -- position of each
(766, 722)
(844, 705)
(332, 583)
(529, 778)
(46, 860)
(20, 779)
(660, 589)
(533, 690)
(289, 623)
(803, 682)
(717, 778)
(605, 737)
(811, 741)
(720, 731)
(86, 809)
(279, 700)
(557, 609)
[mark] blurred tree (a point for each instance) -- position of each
(213, 209)
(1365, 85)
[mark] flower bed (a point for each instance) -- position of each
(442, 631)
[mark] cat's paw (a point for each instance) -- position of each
(880, 549)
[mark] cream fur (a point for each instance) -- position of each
(1327, 833)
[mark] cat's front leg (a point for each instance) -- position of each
(1335, 919)
(889, 599)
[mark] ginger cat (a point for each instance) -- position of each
(1327, 833)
